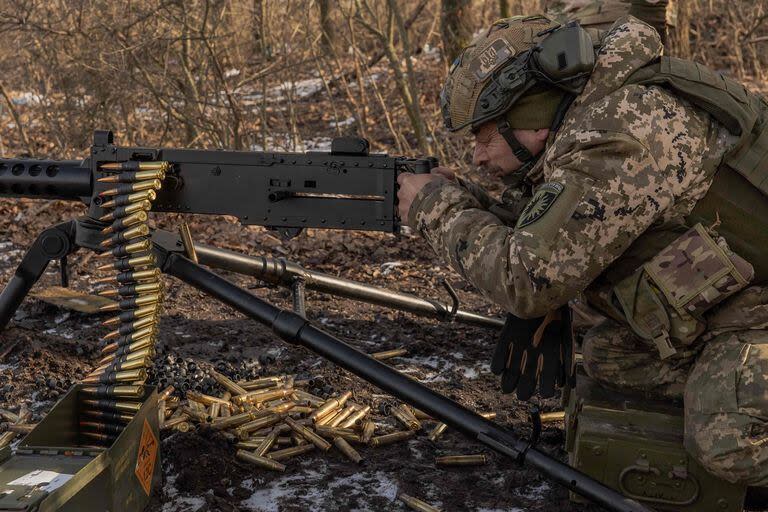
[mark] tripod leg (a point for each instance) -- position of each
(53, 243)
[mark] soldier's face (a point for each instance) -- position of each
(494, 154)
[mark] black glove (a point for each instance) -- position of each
(534, 351)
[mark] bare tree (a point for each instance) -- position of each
(456, 26)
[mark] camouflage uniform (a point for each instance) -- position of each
(615, 185)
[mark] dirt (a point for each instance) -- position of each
(200, 472)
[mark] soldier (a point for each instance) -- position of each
(637, 180)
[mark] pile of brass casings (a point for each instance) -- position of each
(14, 424)
(114, 389)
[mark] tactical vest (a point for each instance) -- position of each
(737, 201)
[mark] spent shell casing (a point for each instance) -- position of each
(345, 448)
(462, 460)
(125, 250)
(332, 432)
(389, 354)
(133, 289)
(184, 426)
(282, 407)
(25, 413)
(166, 393)
(113, 405)
(98, 426)
(421, 415)
(132, 303)
(270, 419)
(356, 417)
(257, 397)
(7, 437)
(206, 399)
(404, 416)
(122, 223)
(368, 430)
(130, 188)
(236, 420)
(416, 504)
(313, 400)
(293, 451)
(261, 383)
(437, 431)
(172, 422)
(262, 462)
(136, 375)
(114, 391)
(147, 352)
(126, 236)
(226, 412)
(129, 328)
(330, 405)
(267, 443)
(392, 438)
(308, 434)
(9, 416)
(20, 428)
(552, 417)
(124, 211)
(146, 195)
(129, 264)
(341, 416)
(228, 383)
(108, 416)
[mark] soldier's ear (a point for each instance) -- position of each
(541, 134)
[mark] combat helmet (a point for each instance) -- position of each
(515, 60)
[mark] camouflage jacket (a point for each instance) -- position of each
(617, 181)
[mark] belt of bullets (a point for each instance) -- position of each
(114, 390)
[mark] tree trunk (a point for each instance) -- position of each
(456, 26)
(326, 25)
(504, 8)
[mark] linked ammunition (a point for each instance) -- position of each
(9, 416)
(7, 437)
(287, 453)
(228, 383)
(349, 452)
(262, 462)
(392, 438)
(308, 435)
(389, 354)
(99, 437)
(267, 443)
(127, 264)
(114, 391)
(130, 188)
(122, 251)
(108, 416)
(124, 211)
(146, 195)
(120, 366)
(462, 460)
(329, 405)
(147, 352)
(122, 223)
(107, 428)
(128, 328)
(356, 417)
(416, 504)
(133, 166)
(132, 277)
(132, 289)
(552, 417)
(126, 236)
(124, 344)
(114, 405)
(368, 430)
(136, 375)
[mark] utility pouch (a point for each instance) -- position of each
(665, 300)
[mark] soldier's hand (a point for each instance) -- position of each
(410, 186)
(445, 173)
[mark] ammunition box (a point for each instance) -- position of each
(635, 445)
(53, 469)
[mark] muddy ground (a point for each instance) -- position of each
(200, 473)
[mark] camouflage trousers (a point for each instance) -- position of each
(724, 384)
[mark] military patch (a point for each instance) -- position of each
(497, 53)
(540, 203)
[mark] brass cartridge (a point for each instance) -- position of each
(167, 392)
(134, 166)
(416, 504)
(122, 251)
(107, 428)
(132, 276)
(392, 438)
(147, 352)
(552, 417)
(330, 405)
(421, 415)
(228, 384)
(437, 431)
(389, 354)
(123, 200)
(302, 409)
(126, 264)
(133, 289)
(263, 462)
(205, 399)
(267, 443)
(344, 433)
(9, 416)
(462, 460)
(406, 417)
(107, 416)
(138, 217)
(119, 349)
(236, 420)
(121, 366)
(172, 422)
(226, 411)
(99, 437)
(214, 410)
(368, 430)
(132, 303)
(287, 453)
(133, 315)
(128, 329)
(257, 424)
(114, 391)
(7, 437)
(139, 374)
(341, 416)
(133, 336)
(184, 426)
(308, 435)
(201, 416)
(345, 448)
(262, 383)
(282, 407)
(257, 397)
(25, 414)
(124, 211)
(122, 406)
(356, 417)
(131, 188)
(20, 428)
(313, 400)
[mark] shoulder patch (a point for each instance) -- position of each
(540, 203)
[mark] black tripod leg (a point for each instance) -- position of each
(53, 243)
(295, 329)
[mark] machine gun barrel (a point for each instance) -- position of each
(45, 179)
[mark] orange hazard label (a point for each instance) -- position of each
(145, 459)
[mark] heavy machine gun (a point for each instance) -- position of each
(345, 189)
